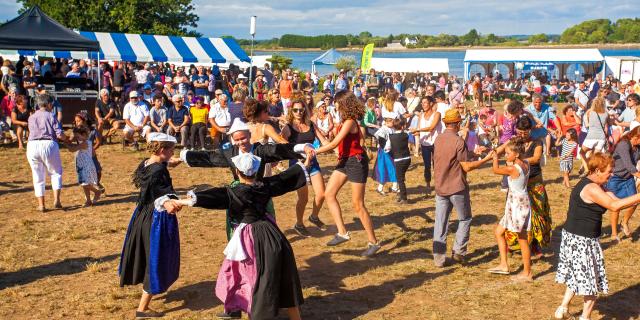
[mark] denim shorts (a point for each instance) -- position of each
(313, 169)
(356, 168)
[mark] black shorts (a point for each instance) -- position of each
(356, 168)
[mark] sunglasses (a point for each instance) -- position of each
(297, 110)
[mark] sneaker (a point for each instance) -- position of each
(372, 248)
(338, 239)
(301, 230)
(149, 314)
(459, 258)
(203, 149)
(229, 315)
(396, 190)
(317, 222)
(101, 188)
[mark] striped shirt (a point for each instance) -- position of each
(568, 148)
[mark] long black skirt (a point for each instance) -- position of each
(151, 250)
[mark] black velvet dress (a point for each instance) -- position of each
(266, 278)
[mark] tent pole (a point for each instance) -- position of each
(253, 37)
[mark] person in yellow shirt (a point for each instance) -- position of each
(199, 115)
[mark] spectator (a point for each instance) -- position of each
(7, 104)
(136, 118)
(178, 119)
(260, 87)
(75, 71)
(19, 119)
(201, 84)
(220, 120)
(105, 112)
(43, 153)
(199, 114)
(158, 115)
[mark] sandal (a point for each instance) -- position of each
(562, 313)
(520, 278)
(498, 270)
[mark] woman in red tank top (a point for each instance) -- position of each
(353, 166)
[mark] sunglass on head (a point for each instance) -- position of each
(297, 110)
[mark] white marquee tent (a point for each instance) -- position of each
(434, 65)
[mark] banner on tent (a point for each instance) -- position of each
(367, 54)
(530, 66)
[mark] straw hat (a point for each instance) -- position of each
(452, 116)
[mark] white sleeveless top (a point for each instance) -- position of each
(428, 138)
(518, 186)
(323, 123)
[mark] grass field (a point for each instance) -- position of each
(63, 264)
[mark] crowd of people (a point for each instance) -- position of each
(282, 118)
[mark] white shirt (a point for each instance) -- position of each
(442, 109)
(399, 109)
(135, 112)
(581, 97)
(220, 115)
(142, 76)
(335, 114)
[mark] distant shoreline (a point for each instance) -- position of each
(461, 48)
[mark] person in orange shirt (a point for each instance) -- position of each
(286, 89)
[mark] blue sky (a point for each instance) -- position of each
(379, 17)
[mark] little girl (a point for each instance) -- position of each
(383, 170)
(569, 146)
(398, 146)
(517, 211)
(85, 168)
(151, 250)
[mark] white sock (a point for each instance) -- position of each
(394, 185)
(380, 187)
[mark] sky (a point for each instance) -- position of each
(383, 17)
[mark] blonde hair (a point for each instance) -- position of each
(305, 114)
(598, 105)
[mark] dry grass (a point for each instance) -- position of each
(63, 264)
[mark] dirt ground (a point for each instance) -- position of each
(63, 264)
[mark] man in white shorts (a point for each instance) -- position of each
(136, 117)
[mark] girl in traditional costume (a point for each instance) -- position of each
(259, 273)
(151, 250)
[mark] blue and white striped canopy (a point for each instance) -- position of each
(144, 47)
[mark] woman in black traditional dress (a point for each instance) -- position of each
(259, 273)
(151, 250)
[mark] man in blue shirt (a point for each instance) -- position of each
(201, 83)
(542, 113)
(178, 119)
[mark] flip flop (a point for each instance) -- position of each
(498, 271)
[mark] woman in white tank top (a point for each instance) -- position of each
(428, 128)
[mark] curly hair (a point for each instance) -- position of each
(349, 105)
(154, 146)
(253, 109)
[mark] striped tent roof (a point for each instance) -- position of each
(144, 47)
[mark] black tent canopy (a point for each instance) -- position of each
(34, 30)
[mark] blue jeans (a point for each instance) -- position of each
(444, 205)
(427, 154)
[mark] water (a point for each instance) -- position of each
(302, 59)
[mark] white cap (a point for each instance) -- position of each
(176, 97)
(241, 76)
(247, 163)
(161, 137)
(133, 94)
(320, 103)
(388, 114)
(237, 125)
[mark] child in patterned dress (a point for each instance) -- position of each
(85, 168)
(517, 210)
(569, 145)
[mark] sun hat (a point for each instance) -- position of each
(238, 125)
(162, 137)
(452, 116)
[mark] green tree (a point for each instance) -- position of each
(472, 38)
(346, 63)
(279, 62)
(581, 33)
(365, 35)
(164, 17)
(538, 38)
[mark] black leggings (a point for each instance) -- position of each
(199, 129)
(401, 170)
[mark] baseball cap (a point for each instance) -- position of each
(133, 94)
(40, 86)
